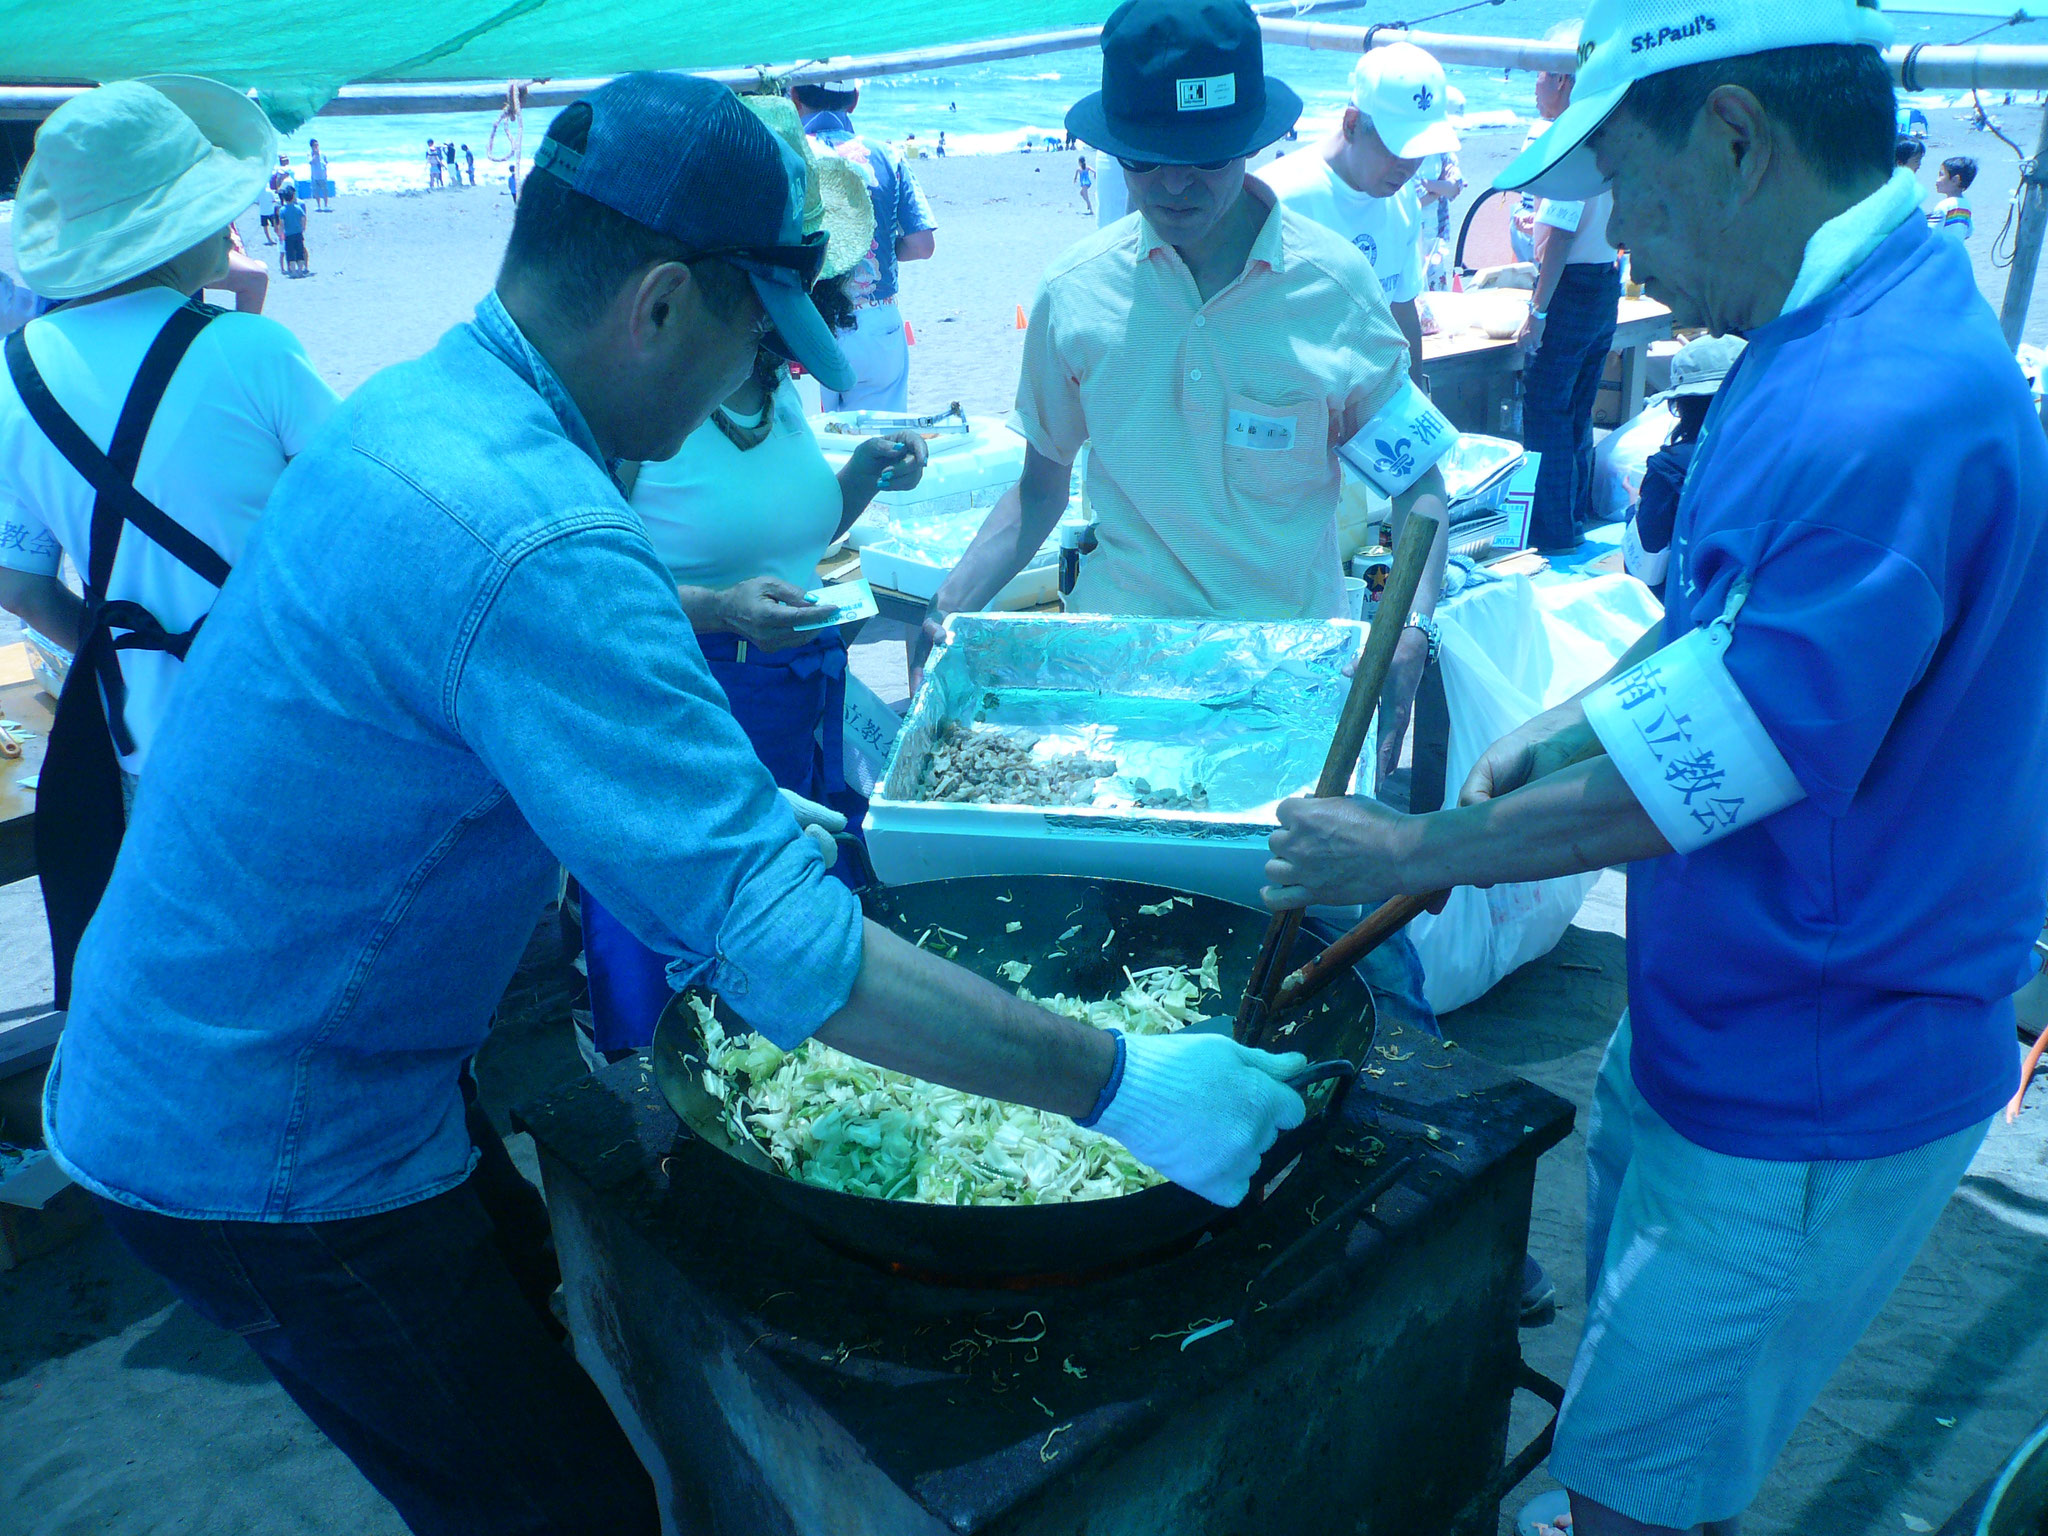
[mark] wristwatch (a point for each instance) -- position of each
(1430, 632)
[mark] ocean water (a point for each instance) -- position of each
(998, 108)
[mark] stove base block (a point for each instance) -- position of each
(1382, 1411)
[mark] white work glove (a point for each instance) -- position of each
(1203, 1109)
(819, 823)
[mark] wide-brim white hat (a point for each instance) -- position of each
(132, 174)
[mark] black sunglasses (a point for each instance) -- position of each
(1147, 167)
(806, 261)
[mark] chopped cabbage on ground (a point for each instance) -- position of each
(831, 1120)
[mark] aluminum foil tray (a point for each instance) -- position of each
(1245, 710)
(1476, 471)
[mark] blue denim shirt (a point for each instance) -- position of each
(447, 659)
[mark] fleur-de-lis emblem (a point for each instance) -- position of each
(1396, 458)
(1423, 98)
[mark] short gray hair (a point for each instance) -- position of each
(1835, 99)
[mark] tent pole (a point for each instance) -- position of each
(2005, 67)
(2026, 245)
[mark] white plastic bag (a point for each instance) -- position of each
(1619, 460)
(1512, 649)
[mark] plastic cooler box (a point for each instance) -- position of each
(966, 475)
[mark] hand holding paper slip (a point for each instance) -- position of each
(847, 602)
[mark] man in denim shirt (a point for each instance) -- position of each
(450, 659)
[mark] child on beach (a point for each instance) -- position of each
(1952, 214)
(292, 216)
(266, 211)
(1085, 180)
(433, 165)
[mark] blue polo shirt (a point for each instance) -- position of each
(900, 205)
(1836, 980)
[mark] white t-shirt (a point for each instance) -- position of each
(1588, 222)
(243, 402)
(1388, 230)
(717, 516)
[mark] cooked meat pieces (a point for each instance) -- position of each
(970, 767)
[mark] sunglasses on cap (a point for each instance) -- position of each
(1147, 167)
(777, 263)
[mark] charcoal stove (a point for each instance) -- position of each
(1341, 1359)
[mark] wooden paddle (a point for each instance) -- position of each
(1411, 557)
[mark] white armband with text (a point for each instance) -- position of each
(1401, 444)
(1687, 743)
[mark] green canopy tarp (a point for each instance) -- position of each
(298, 53)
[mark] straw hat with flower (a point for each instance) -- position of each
(835, 198)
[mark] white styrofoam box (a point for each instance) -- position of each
(1218, 853)
(964, 471)
(921, 573)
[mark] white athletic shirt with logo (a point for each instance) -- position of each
(1388, 230)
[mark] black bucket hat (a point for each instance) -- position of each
(1184, 82)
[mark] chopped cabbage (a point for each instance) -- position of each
(831, 1120)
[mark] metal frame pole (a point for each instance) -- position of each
(2026, 244)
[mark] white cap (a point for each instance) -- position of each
(1402, 90)
(1623, 41)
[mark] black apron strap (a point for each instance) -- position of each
(80, 809)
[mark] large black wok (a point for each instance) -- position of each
(1012, 1242)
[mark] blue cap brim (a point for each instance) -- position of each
(804, 335)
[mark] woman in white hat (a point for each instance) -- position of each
(140, 433)
(741, 515)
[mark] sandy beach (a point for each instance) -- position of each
(124, 1414)
(392, 271)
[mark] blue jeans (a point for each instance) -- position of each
(419, 1341)
(1559, 387)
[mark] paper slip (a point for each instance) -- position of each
(31, 781)
(850, 601)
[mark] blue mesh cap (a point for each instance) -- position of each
(684, 157)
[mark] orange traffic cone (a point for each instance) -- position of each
(1020, 317)
(909, 336)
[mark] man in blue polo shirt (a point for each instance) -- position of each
(877, 347)
(1827, 764)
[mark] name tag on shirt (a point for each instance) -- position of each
(1565, 216)
(1270, 434)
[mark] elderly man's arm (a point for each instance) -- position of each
(45, 604)
(917, 246)
(1547, 788)
(1351, 851)
(1553, 245)
(1015, 530)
